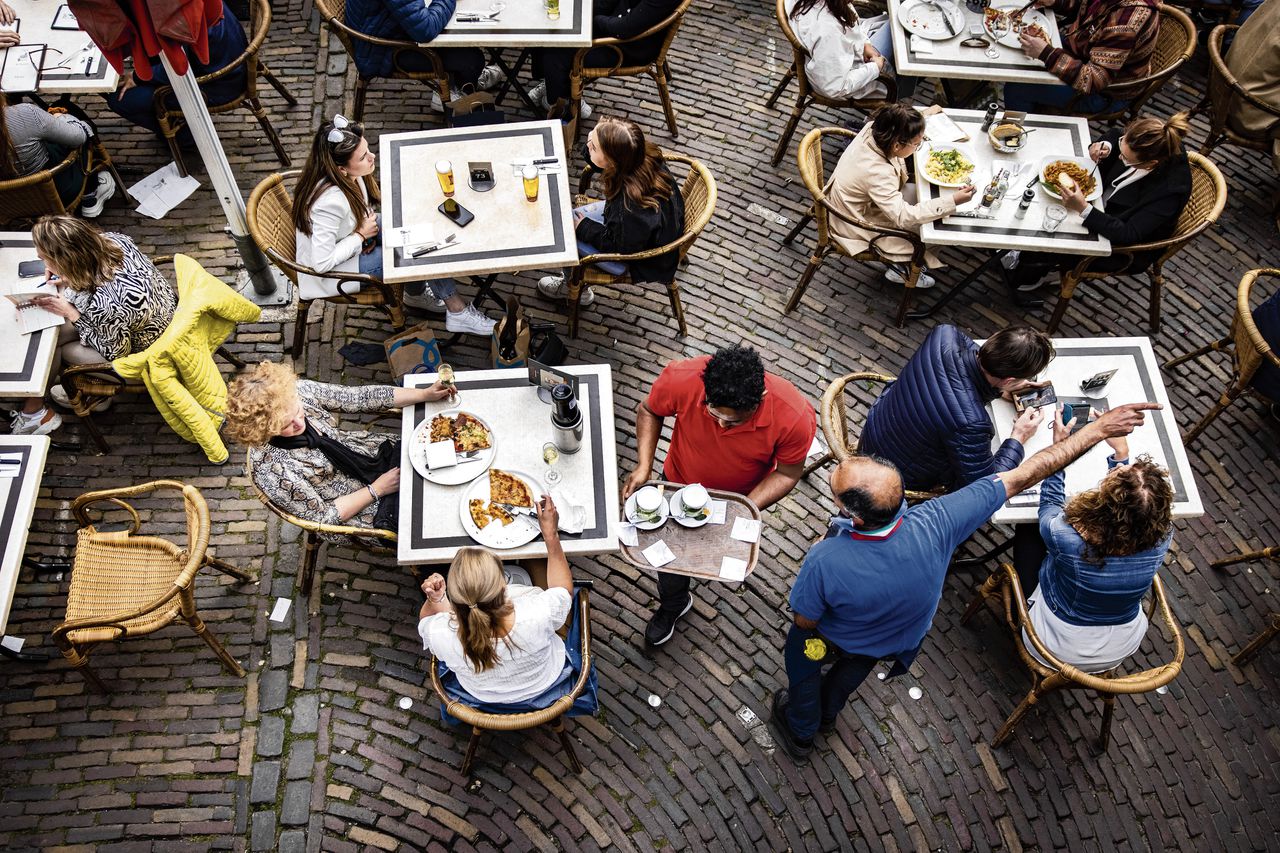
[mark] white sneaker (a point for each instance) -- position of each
(423, 301)
(898, 275)
(42, 422)
(538, 94)
(490, 78)
(554, 286)
(59, 397)
(437, 104)
(584, 110)
(92, 208)
(469, 321)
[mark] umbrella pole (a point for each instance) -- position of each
(265, 288)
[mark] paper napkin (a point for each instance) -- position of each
(719, 509)
(440, 454)
(746, 530)
(658, 554)
(281, 610)
(733, 569)
(627, 535)
(919, 44)
(573, 515)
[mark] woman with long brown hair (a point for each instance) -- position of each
(499, 637)
(33, 138)
(1103, 547)
(643, 208)
(337, 226)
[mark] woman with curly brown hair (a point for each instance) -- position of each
(1104, 546)
(643, 208)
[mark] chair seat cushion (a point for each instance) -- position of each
(115, 574)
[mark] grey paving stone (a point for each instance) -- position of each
(306, 712)
(271, 736)
(266, 779)
(296, 808)
(273, 689)
(262, 833)
(293, 841)
(302, 759)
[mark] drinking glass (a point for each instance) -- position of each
(553, 10)
(999, 29)
(444, 173)
(550, 455)
(530, 176)
(1053, 216)
(444, 372)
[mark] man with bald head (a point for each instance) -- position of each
(868, 591)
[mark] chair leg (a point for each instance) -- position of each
(989, 588)
(818, 463)
(1153, 309)
(673, 293)
(1204, 350)
(280, 88)
(789, 130)
(175, 151)
(95, 434)
(80, 661)
(782, 86)
(567, 745)
(664, 92)
(1228, 397)
(800, 226)
(908, 294)
(227, 569)
(1250, 651)
(230, 664)
(1246, 558)
(472, 746)
(255, 107)
(310, 548)
(299, 329)
(803, 284)
(1108, 712)
(362, 93)
(1006, 731)
(575, 297)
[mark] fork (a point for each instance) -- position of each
(451, 240)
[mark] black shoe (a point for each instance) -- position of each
(798, 749)
(663, 624)
(826, 727)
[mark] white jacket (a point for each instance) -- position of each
(835, 67)
(333, 245)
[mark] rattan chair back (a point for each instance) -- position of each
(1049, 673)
(270, 219)
(553, 714)
(27, 198)
(813, 172)
(1226, 97)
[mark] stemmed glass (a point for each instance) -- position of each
(444, 372)
(999, 28)
(551, 455)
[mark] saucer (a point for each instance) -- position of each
(682, 519)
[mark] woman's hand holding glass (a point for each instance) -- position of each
(438, 391)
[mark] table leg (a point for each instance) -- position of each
(513, 82)
(29, 657)
(960, 286)
(42, 566)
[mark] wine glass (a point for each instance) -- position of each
(999, 28)
(445, 374)
(551, 455)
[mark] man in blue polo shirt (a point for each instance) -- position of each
(869, 590)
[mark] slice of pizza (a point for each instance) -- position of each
(441, 428)
(505, 488)
(501, 514)
(469, 434)
(479, 514)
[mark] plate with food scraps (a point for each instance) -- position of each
(948, 165)
(485, 517)
(1031, 21)
(676, 509)
(474, 446)
(1080, 170)
(929, 19)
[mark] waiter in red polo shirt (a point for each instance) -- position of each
(737, 428)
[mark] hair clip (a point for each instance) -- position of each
(340, 124)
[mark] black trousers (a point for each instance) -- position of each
(1034, 266)
(464, 64)
(1029, 552)
(554, 64)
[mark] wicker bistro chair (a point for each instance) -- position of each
(553, 714)
(813, 173)
(29, 197)
(1003, 583)
(659, 69)
(699, 193)
(1251, 649)
(1225, 96)
(1175, 42)
(1208, 198)
(806, 94)
(369, 539)
(170, 116)
(270, 216)
(127, 585)
(1249, 350)
(333, 15)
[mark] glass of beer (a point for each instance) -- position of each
(530, 175)
(553, 9)
(551, 455)
(444, 173)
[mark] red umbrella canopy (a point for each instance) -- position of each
(144, 28)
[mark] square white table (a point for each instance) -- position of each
(523, 23)
(24, 359)
(17, 506)
(1138, 380)
(949, 60)
(508, 233)
(70, 48)
(430, 525)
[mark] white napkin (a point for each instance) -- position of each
(280, 610)
(13, 644)
(573, 515)
(733, 569)
(719, 509)
(441, 454)
(658, 554)
(745, 529)
(920, 44)
(628, 535)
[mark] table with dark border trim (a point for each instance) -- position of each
(950, 61)
(521, 24)
(17, 505)
(24, 359)
(508, 234)
(35, 20)
(1137, 381)
(430, 524)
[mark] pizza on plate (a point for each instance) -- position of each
(482, 513)
(469, 434)
(441, 428)
(506, 488)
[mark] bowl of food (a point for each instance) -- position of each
(1005, 22)
(948, 166)
(1007, 137)
(1059, 173)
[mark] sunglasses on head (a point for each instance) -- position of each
(339, 130)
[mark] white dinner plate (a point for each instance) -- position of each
(926, 19)
(673, 509)
(458, 474)
(947, 146)
(629, 514)
(1085, 163)
(1030, 16)
(495, 534)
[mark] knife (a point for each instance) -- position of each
(966, 214)
(946, 19)
(527, 511)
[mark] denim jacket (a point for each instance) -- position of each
(1080, 592)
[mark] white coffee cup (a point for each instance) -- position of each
(693, 499)
(649, 504)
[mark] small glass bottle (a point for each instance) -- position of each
(1027, 197)
(989, 194)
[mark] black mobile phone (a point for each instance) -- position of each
(31, 269)
(1097, 381)
(456, 212)
(1035, 398)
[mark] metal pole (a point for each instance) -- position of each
(196, 114)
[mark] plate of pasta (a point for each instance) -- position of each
(948, 166)
(1056, 172)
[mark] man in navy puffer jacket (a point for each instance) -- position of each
(932, 423)
(409, 20)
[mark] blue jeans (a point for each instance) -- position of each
(595, 212)
(371, 264)
(1031, 97)
(883, 42)
(812, 696)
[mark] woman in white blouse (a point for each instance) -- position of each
(847, 53)
(499, 638)
(337, 226)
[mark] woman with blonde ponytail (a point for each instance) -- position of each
(498, 636)
(1146, 182)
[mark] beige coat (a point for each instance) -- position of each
(868, 186)
(1254, 59)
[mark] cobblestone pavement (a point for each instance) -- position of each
(311, 750)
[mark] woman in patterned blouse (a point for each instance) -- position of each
(304, 462)
(113, 300)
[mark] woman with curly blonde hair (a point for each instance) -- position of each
(303, 462)
(1104, 547)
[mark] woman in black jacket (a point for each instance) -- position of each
(1146, 183)
(642, 209)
